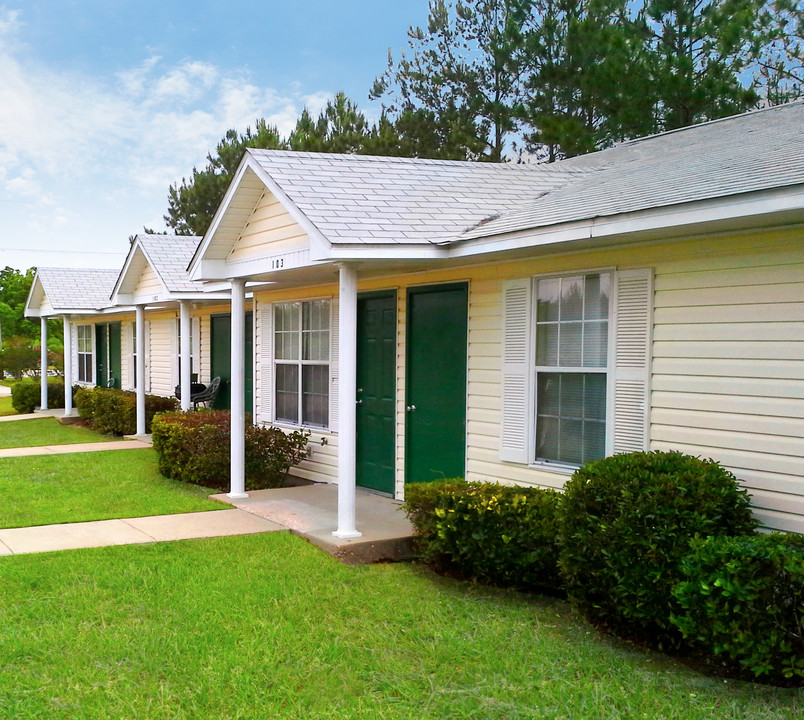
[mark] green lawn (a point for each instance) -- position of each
(6, 408)
(267, 626)
(46, 431)
(48, 489)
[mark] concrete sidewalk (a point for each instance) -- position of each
(75, 448)
(132, 531)
(38, 415)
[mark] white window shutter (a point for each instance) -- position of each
(195, 350)
(516, 403)
(634, 317)
(265, 411)
(175, 349)
(147, 344)
(333, 365)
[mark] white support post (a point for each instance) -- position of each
(347, 398)
(237, 387)
(184, 341)
(43, 363)
(68, 368)
(140, 369)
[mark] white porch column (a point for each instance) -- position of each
(237, 391)
(140, 368)
(68, 368)
(43, 363)
(347, 409)
(184, 341)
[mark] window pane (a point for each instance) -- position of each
(571, 417)
(596, 300)
(548, 293)
(547, 344)
(286, 331)
(315, 330)
(569, 353)
(287, 393)
(315, 395)
(595, 343)
(571, 298)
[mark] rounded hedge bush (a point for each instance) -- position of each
(627, 524)
(26, 395)
(742, 598)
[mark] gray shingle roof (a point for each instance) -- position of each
(169, 256)
(367, 199)
(756, 151)
(354, 199)
(77, 289)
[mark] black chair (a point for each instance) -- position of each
(208, 395)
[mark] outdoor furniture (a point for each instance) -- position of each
(208, 395)
(195, 388)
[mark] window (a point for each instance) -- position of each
(301, 362)
(85, 358)
(571, 368)
(575, 366)
(134, 353)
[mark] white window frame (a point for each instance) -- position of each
(536, 370)
(300, 363)
(134, 355)
(627, 370)
(193, 352)
(91, 354)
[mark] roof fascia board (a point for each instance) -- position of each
(124, 270)
(319, 245)
(203, 246)
(690, 215)
(28, 300)
(391, 251)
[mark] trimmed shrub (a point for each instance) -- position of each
(27, 394)
(490, 533)
(114, 412)
(194, 447)
(626, 526)
(742, 599)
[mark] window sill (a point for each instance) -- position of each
(558, 468)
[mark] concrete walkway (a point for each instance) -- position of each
(132, 531)
(75, 448)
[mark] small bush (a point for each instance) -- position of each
(626, 526)
(505, 536)
(742, 598)
(114, 412)
(195, 447)
(27, 394)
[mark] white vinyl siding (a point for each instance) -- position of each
(269, 230)
(161, 354)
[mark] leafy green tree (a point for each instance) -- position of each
(778, 61)
(192, 204)
(587, 82)
(463, 75)
(697, 52)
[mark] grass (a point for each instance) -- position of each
(6, 408)
(46, 431)
(266, 626)
(48, 489)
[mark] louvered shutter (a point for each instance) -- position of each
(634, 315)
(333, 365)
(266, 360)
(175, 351)
(147, 345)
(195, 350)
(516, 370)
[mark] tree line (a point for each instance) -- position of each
(490, 80)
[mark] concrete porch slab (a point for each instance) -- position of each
(311, 511)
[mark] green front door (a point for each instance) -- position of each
(115, 355)
(376, 391)
(221, 359)
(101, 355)
(435, 417)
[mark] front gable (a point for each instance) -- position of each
(138, 282)
(38, 303)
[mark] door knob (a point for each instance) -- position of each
(411, 408)
(358, 402)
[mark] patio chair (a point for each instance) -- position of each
(207, 396)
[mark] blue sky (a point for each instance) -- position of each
(104, 103)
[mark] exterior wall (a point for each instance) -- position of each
(727, 371)
(270, 230)
(162, 352)
(148, 286)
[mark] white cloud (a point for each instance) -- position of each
(81, 150)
